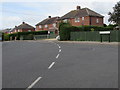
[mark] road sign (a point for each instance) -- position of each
(104, 33)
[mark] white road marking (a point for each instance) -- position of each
(58, 45)
(51, 65)
(33, 83)
(57, 56)
(59, 50)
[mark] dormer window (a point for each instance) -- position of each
(97, 20)
(65, 20)
(46, 26)
(77, 19)
(40, 26)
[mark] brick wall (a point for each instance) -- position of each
(49, 26)
(87, 21)
(93, 21)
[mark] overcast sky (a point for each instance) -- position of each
(14, 12)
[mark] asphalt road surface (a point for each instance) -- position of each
(48, 64)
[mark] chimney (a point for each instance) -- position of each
(78, 7)
(23, 22)
(49, 16)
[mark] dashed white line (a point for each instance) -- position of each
(33, 83)
(58, 45)
(59, 50)
(51, 65)
(57, 55)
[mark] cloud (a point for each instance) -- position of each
(10, 21)
(34, 12)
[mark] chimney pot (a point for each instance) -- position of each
(78, 7)
(23, 22)
(49, 16)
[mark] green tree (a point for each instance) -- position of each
(115, 15)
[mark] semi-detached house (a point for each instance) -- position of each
(24, 27)
(49, 24)
(83, 16)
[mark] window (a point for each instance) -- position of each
(54, 24)
(65, 20)
(83, 18)
(18, 30)
(15, 30)
(29, 30)
(40, 26)
(77, 19)
(46, 26)
(97, 20)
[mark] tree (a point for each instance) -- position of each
(115, 15)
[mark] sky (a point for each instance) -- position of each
(14, 12)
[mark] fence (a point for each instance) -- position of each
(94, 36)
(38, 37)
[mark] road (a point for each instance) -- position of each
(48, 64)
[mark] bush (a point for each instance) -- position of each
(26, 35)
(65, 29)
(6, 37)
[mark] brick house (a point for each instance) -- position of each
(83, 16)
(49, 24)
(24, 27)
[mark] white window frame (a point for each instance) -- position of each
(65, 20)
(77, 19)
(40, 26)
(46, 26)
(29, 30)
(83, 18)
(97, 20)
(18, 30)
(54, 24)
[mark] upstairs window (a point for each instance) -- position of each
(54, 24)
(83, 18)
(40, 26)
(77, 19)
(46, 26)
(97, 20)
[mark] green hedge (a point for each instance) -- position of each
(66, 29)
(24, 35)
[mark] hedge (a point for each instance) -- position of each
(66, 29)
(25, 35)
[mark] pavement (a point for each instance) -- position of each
(53, 64)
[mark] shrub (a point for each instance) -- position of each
(26, 35)
(65, 29)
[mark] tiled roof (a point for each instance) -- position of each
(48, 21)
(25, 26)
(80, 13)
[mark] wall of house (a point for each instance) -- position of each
(93, 21)
(26, 30)
(82, 22)
(44, 28)
(22, 30)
